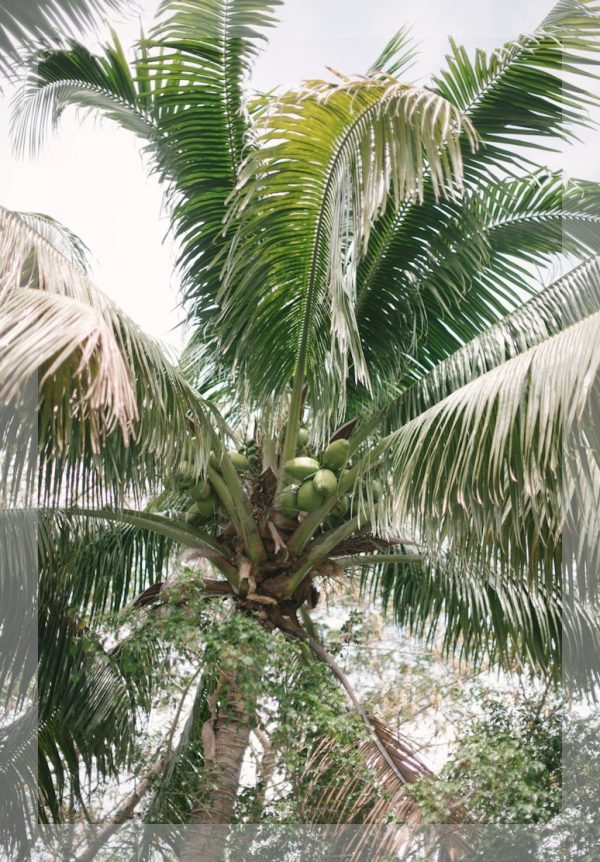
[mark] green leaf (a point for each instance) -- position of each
(73, 76)
(501, 466)
(24, 25)
(104, 387)
(329, 157)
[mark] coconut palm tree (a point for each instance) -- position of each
(377, 380)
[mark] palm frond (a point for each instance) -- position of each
(18, 782)
(564, 302)
(337, 790)
(101, 565)
(525, 89)
(18, 605)
(493, 469)
(524, 93)
(397, 55)
(25, 25)
(86, 702)
(61, 238)
(199, 57)
(90, 698)
(71, 76)
(329, 156)
(484, 617)
(104, 386)
(447, 281)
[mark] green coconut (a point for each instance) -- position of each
(201, 491)
(325, 482)
(309, 498)
(287, 502)
(301, 467)
(336, 454)
(239, 461)
(302, 436)
(206, 507)
(200, 511)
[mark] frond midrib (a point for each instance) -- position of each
(317, 240)
(233, 146)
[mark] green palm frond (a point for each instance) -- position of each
(87, 704)
(483, 618)
(199, 56)
(101, 565)
(566, 301)
(491, 469)
(61, 77)
(396, 57)
(446, 282)
(104, 386)
(524, 93)
(86, 693)
(329, 156)
(524, 90)
(18, 605)
(25, 25)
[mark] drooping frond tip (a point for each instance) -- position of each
(102, 385)
(50, 312)
(456, 468)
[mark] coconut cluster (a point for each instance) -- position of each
(205, 503)
(314, 481)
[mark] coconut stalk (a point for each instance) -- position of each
(249, 529)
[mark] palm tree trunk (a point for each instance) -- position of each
(225, 737)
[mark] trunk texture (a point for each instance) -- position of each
(226, 737)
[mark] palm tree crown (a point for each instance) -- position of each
(375, 379)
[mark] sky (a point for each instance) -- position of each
(91, 175)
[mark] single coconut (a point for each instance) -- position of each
(302, 436)
(309, 498)
(287, 502)
(199, 512)
(336, 454)
(239, 461)
(301, 467)
(201, 491)
(325, 482)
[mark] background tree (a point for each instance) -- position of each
(356, 262)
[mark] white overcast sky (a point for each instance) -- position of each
(91, 177)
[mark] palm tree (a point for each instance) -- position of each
(376, 381)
